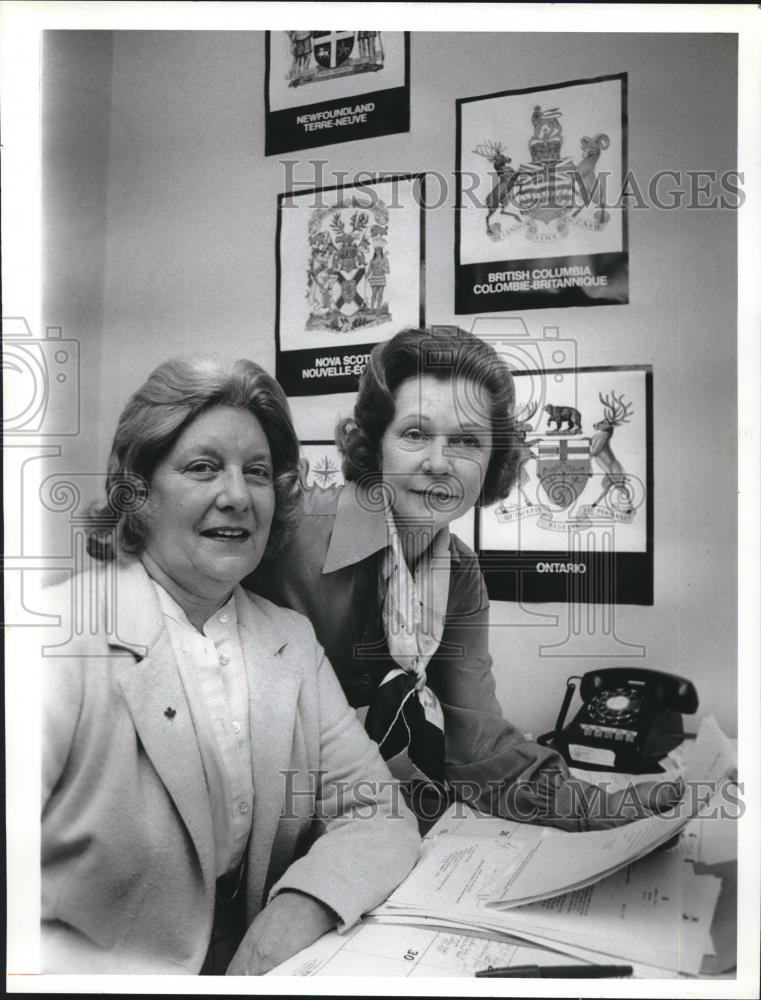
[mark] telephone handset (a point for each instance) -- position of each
(630, 719)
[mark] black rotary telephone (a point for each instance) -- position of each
(630, 719)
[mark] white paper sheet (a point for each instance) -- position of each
(471, 860)
(393, 950)
(599, 897)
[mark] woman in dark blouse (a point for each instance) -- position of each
(400, 604)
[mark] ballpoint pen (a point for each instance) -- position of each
(555, 972)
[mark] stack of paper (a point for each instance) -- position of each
(492, 892)
(655, 913)
(592, 895)
(371, 949)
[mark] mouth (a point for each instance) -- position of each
(439, 497)
(227, 534)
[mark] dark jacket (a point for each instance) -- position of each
(330, 572)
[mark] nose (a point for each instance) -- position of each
(436, 462)
(234, 491)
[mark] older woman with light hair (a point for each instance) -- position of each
(208, 794)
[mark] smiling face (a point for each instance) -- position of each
(436, 450)
(211, 504)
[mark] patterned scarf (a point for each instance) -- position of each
(405, 717)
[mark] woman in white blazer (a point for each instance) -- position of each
(208, 794)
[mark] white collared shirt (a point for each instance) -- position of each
(213, 674)
(414, 603)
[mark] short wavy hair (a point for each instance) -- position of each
(444, 353)
(174, 395)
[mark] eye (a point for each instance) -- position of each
(260, 473)
(201, 467)
(467, 441)
(413, 435)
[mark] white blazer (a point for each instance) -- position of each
(128, 875)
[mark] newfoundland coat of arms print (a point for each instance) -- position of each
(325, 55)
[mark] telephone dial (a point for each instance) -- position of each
(630, 719)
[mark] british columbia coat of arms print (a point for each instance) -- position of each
(538, 197)
(540, 217)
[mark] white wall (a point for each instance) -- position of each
(76, 122)
(172, 252)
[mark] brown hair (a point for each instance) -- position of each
(173, 396)
(444, 353)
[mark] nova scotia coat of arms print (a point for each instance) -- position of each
(350, 272)
(348, 266)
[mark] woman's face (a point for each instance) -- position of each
(211, 502)
(436, 450)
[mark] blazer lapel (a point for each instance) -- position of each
(273, 696)
(359, 529)
(156, 700)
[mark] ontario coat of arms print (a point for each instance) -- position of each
(582, 498)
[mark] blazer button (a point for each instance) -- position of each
(364, 679)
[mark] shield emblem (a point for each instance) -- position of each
(544, 190)
(331, 48)
(347, 298)
(564, 467)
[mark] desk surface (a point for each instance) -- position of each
(657, 913)
(428, 948)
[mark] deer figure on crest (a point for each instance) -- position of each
(523, 427)
(616, 412)
(499, 196)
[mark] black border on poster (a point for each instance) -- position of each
(608, 578)
(614, 265)
(390, 115)
(289, 364)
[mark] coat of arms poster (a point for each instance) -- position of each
(578, 523)
(349, 274)
(323, 87)
(540, 217)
